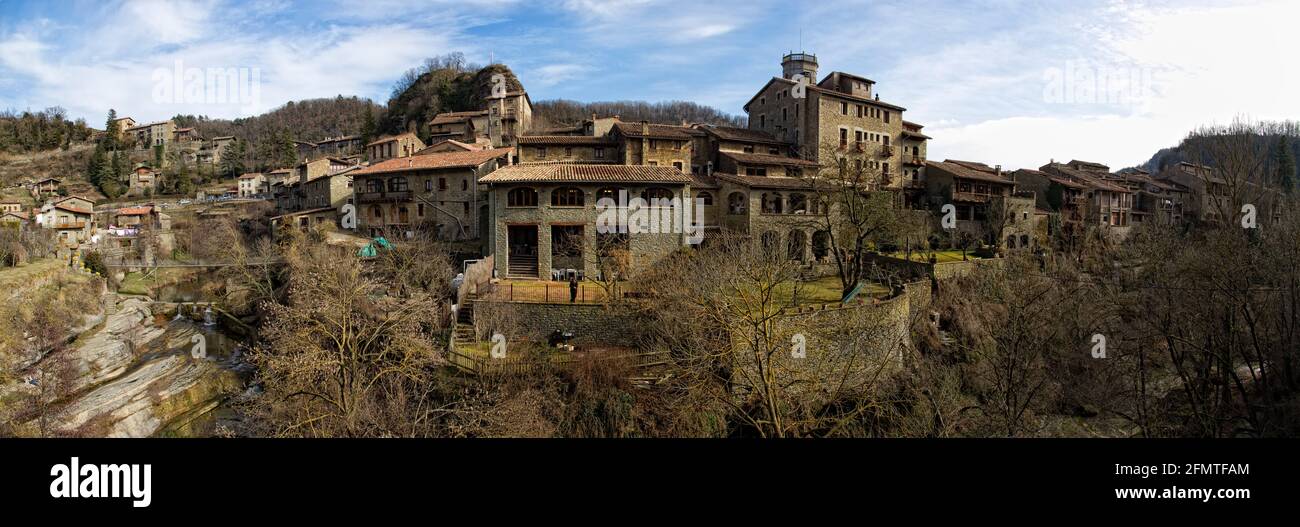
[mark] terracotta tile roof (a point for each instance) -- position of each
(661, 131)
(969, 170)
(134, 211)
(703, 181)
(915, 135)
(566, 140)
(18, 214)
(251, 175)
(458, 144)
(729, 133)
(766, 181)
(574, 173)
(70, 208)
(768, 159)
(74, 196)
(391, 138)
(1091, 179)
(433, 161)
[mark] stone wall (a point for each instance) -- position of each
(590, 323)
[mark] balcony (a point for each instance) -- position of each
(886, 151)
(973, 197)
(377, 197)
(914, 161)
(859, 146)
(68, 225)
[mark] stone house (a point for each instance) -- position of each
(11, 206)
(439, 191)
(648, 144)
(568, 149)
(73, 218)
(332, 189)
(1108, 204)
(142, 181)
(339, 146)
(1157, 201)
(981, 194)
(509, 117)
(547, 219)
(1208, 193)
(839, 120)
(46, 187)
(460, 126)
(14, 219)
(152, 135)
(251, 184)
(395, 146)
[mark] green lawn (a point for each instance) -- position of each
(940, 256)
(137, 284)
(827, 290)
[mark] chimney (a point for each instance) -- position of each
(998, 168)
(877, 96)
(645, 127)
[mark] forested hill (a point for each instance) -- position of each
(308, 120)
(562, 112)
(40, 131)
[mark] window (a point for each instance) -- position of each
(736, 203)
(844, 137)
(749, 149)
(397, 184)
(608, 192)
(653, 193)
(654, 144)
(762, 121)
(705, 196)
(541, 152)
(783, 114)
(677, 165)
(428, 185)
(756, 171)
(464, 184)
(419, 210)
(521, 197)
(567, 197)
(568, 151)
(374, 185)
(886, 115)
(844, 108)
(442, 183)
(600, 153)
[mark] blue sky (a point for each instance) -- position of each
(1001, 81)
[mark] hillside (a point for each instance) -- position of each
(68, 165)
(1267, 141)
(562, 112)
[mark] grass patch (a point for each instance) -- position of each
(826, 290)
(940, 256)
(137, 283)
(547, 291)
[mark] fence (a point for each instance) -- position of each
(526, 363)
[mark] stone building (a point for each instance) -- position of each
(546, 218)
(73, 219)
(339, 146)
(568, 149)
(1208, 193)
(1155, 201)
(986, 202)
(148, 136)
(11, 206)
(461, 126)
(251, 184)
(452, 145)
(509, 117)
(1107, 204)
(437, 190)
(839, 121)
(394, 146)
(142, 181)
(648, 144)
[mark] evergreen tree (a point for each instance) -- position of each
(96, 164)
(110, 131)
(1286, 168)
(367, 125)
(232, 161)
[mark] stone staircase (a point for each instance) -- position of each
(522, 266)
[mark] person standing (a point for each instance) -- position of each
(573, 289)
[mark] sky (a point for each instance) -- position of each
(1007, 82)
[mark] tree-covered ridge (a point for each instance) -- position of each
(47, 129)
(561, 112)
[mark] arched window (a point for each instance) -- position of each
(397, 184)
(736, 203)
(1011, 241)
(374, 185)
(821, 244)
(1024, 241)
(654, 193)
(608, 192)
(707, 197)
(798, 203)
(772, 203)
(567, 197)
(521, 197)
(795, 244)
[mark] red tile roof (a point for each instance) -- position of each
(391, 138)
(969, 170)
(662, 131)
(729, 133)
(574, 173)
(433, 161)
(135, 211)
(768, 159)
(766, 181)
(562, 140)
